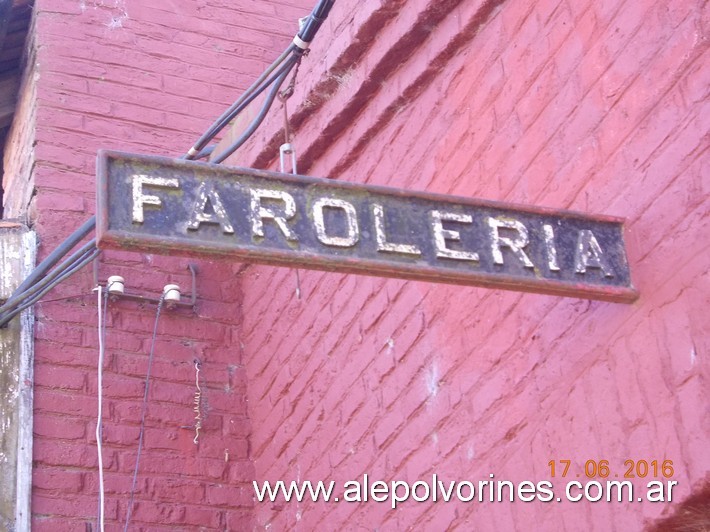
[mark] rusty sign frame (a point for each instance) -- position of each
(160, 216)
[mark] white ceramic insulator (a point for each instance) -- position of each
(115, 284)
(172, 292)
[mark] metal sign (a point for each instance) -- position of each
(162, 205)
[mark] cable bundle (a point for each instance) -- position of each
(42, 280)
(273, 77)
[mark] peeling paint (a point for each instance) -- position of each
(17, 251)
(119, 16)
(116, 22)
(432, 380)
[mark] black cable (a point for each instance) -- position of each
(84, 261)
(257, 120)
(144, 408)
(205, 152)
(224, 120)
(308, 31)
(58, 253)
(306, 34)
(68, 268)
(37, 276)
(17, 296)
(39, 282)
(238, 106)
(315, 20)
(6, 317)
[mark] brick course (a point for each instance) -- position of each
(572, 105)
(144, 78)
(594, 106)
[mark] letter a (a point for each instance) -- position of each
(589, 254)
(219, 216)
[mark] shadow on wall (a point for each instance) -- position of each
(693, 515)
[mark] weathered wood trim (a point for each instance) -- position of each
(26, 398)
(17, 258)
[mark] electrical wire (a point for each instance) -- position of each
(290, 57)
(50, 272)
(227, 116)
(277, 68)
(8, 314)
(56, 255)
(144, 408)
(37, 281)
(86, 259)
(257, 120)
(41, 280)
(285, 69)
(197, 408)
(99, 446)
(76, 256)
(68, 267)
(315, 20)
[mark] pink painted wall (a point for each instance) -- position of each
(145, 77)
(595, 106)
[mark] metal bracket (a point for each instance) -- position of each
(284, 151)
(150, 299)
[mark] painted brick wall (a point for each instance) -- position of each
(143, 77)
(595, 106)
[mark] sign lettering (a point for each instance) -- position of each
(163, 205)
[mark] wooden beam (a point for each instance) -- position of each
(9, 86)
(17, 250)
(5, 16)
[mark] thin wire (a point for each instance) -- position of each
(67, 263)
(257, 121)
(41, 287)
(289, 90)
(99, 446)
(287, 126)
(284, 95)
(144, 408)
(75, 296)
(69, 272)
(244, 102)
(198, 400)
(252, 92)
(6, 317)
(57, 254)
(274, 74)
